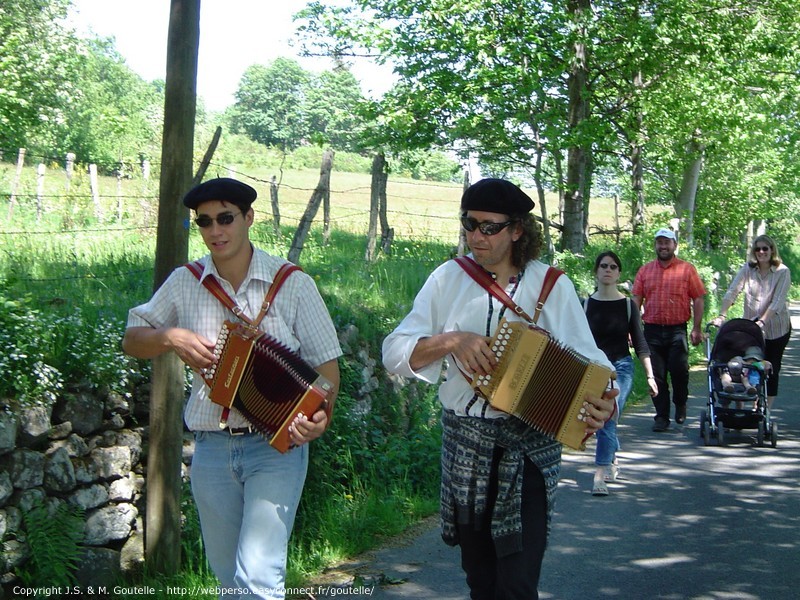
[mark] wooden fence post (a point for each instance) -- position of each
(377, 208)
(69, 168)
(276, 211)
(462, 235)
(40, 171)
(15, 183)
(94, 186)
(163, 515)
(323, 190)
(119, 173)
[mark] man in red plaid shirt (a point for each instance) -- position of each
(671, 292)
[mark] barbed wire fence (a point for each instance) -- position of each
(66, 211)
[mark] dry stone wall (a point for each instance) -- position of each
(86, 451)
(90, 450)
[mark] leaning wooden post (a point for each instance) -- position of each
(163, 523)
(323, 189)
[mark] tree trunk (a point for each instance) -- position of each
(163, 526)
(322, 191)
(541, 196)
(558, 164)
(688, 193)
(578, 92)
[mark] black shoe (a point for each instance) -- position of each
(680, 414)
(661, 424)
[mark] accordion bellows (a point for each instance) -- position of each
(542, 382)
(265, 381)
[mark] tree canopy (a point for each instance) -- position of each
(642, 93)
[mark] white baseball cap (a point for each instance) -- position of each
(667, 233)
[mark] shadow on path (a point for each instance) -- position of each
(684, 521)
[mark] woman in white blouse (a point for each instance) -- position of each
(765, 281)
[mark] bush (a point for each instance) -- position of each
(28, 375)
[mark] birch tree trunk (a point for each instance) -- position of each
(688, 193)
(577, 88)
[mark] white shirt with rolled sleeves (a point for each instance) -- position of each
(298, 318)
(451, 300)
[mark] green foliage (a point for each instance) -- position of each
(28, 376)
(430, 165)
(38, 70)
(54, 532)
(269, 104)
(116, 118)
(45, 350)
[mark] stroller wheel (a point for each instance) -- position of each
(761, 432)
(773, 434)
(705, 428)
(720, 433)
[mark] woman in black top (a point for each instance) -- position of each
(615, 324)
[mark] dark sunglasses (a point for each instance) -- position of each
(225, 218)
(485, 227)
(763, 248)
(611, 266)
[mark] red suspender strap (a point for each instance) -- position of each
(547, 286)
(213, 286)
(277, 282)
(480, 275)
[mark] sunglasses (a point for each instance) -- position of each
(763, 248)
(225, 218)
(485, 227)
(611, 266)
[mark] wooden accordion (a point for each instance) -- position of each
(542, 382)
(265, 381)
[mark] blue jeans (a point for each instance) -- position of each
(247, 495)
(607, 440)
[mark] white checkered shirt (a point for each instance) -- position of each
(298, 318)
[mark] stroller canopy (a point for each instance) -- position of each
(734, 338)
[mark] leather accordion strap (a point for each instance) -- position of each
(213, 285)
(480, 275)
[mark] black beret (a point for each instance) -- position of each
(221, 188)
(497, 196)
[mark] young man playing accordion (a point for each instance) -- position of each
(246, 491)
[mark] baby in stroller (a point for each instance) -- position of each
(744, 373)
(737, 375)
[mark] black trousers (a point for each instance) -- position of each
(514, 577)
(773, 352)
(669, 355)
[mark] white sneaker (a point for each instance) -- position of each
(599, 487)
(612, 471)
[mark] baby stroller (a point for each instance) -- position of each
(737, 376)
